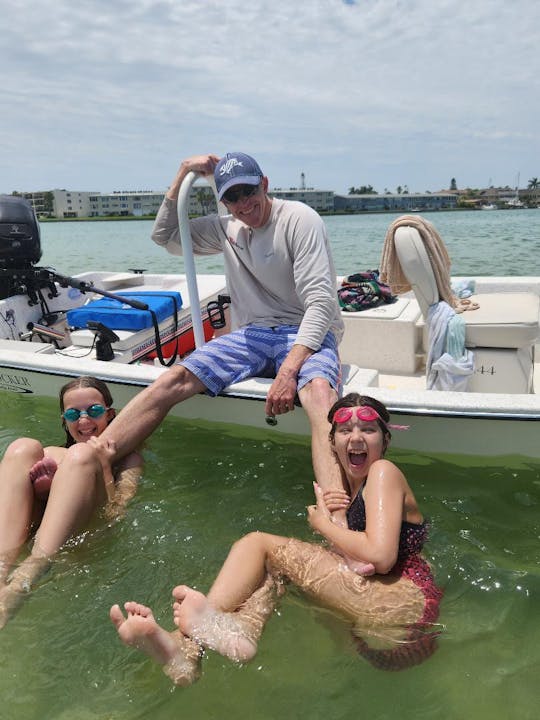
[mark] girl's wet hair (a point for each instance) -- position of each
(354, 400)
(85, 381)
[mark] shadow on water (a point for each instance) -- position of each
(205, 487)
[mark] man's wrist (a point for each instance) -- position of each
(288, 373)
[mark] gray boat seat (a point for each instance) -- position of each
(503, 320)
(502, 332)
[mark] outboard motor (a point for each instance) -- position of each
(20, 244)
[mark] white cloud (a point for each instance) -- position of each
(101, 95)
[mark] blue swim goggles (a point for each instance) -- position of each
(92, 411)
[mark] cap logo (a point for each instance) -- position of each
(229, 166)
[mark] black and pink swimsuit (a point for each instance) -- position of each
(420, 642)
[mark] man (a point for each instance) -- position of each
(285, 315)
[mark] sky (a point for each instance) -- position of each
(103, 96)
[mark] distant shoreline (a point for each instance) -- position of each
(133, 218)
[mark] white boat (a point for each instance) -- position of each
(515, 202)
(489, 206)
(383, 351)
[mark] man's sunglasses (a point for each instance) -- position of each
(92, 411)
(240, 191)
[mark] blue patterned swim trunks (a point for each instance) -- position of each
(259, 352)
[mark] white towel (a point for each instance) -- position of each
(445, 371)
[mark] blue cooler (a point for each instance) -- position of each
(120, 316)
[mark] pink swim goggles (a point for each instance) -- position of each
(365, 413)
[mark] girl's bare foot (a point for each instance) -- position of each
(10, 602)
(178, 655)
(41, 475)
(20, 585)
(220, 631)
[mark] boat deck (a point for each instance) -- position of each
(383, 353)
(417, 381)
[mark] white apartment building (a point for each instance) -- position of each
(140, 203)
(71, 203)
(135, 203)
(320, 200)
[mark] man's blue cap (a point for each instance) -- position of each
(236, 168)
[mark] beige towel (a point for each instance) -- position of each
(391, 272)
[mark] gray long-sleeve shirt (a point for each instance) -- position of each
(280, 274)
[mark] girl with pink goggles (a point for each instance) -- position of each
(365, 413)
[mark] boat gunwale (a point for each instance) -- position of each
(407, 410)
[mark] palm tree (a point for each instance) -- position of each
(204, 196)
(362, 190)
(533, 183)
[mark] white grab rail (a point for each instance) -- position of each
(189, 261)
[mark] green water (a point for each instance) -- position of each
(60, 658)
(205, 487)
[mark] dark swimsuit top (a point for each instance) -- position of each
(411, 538)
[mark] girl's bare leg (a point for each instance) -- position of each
(179, 656)
(383, 606)
(231, 619)
(77, 490)
(16, 499)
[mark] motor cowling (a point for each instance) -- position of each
(20, 240)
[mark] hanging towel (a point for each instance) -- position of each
(449, 365)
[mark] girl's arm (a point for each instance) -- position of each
(106, 450)
(384, 497)
(127, 480)
(122, 485)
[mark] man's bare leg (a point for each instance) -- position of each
(142, 415)
(317, 397)
(179, 656)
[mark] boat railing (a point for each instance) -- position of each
(187, 251)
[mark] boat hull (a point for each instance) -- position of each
(486, 424)
(440, 422)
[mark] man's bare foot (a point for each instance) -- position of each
(339, 517)
(220, 631)
(41, 475)
(178, 655)
(360, 567)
